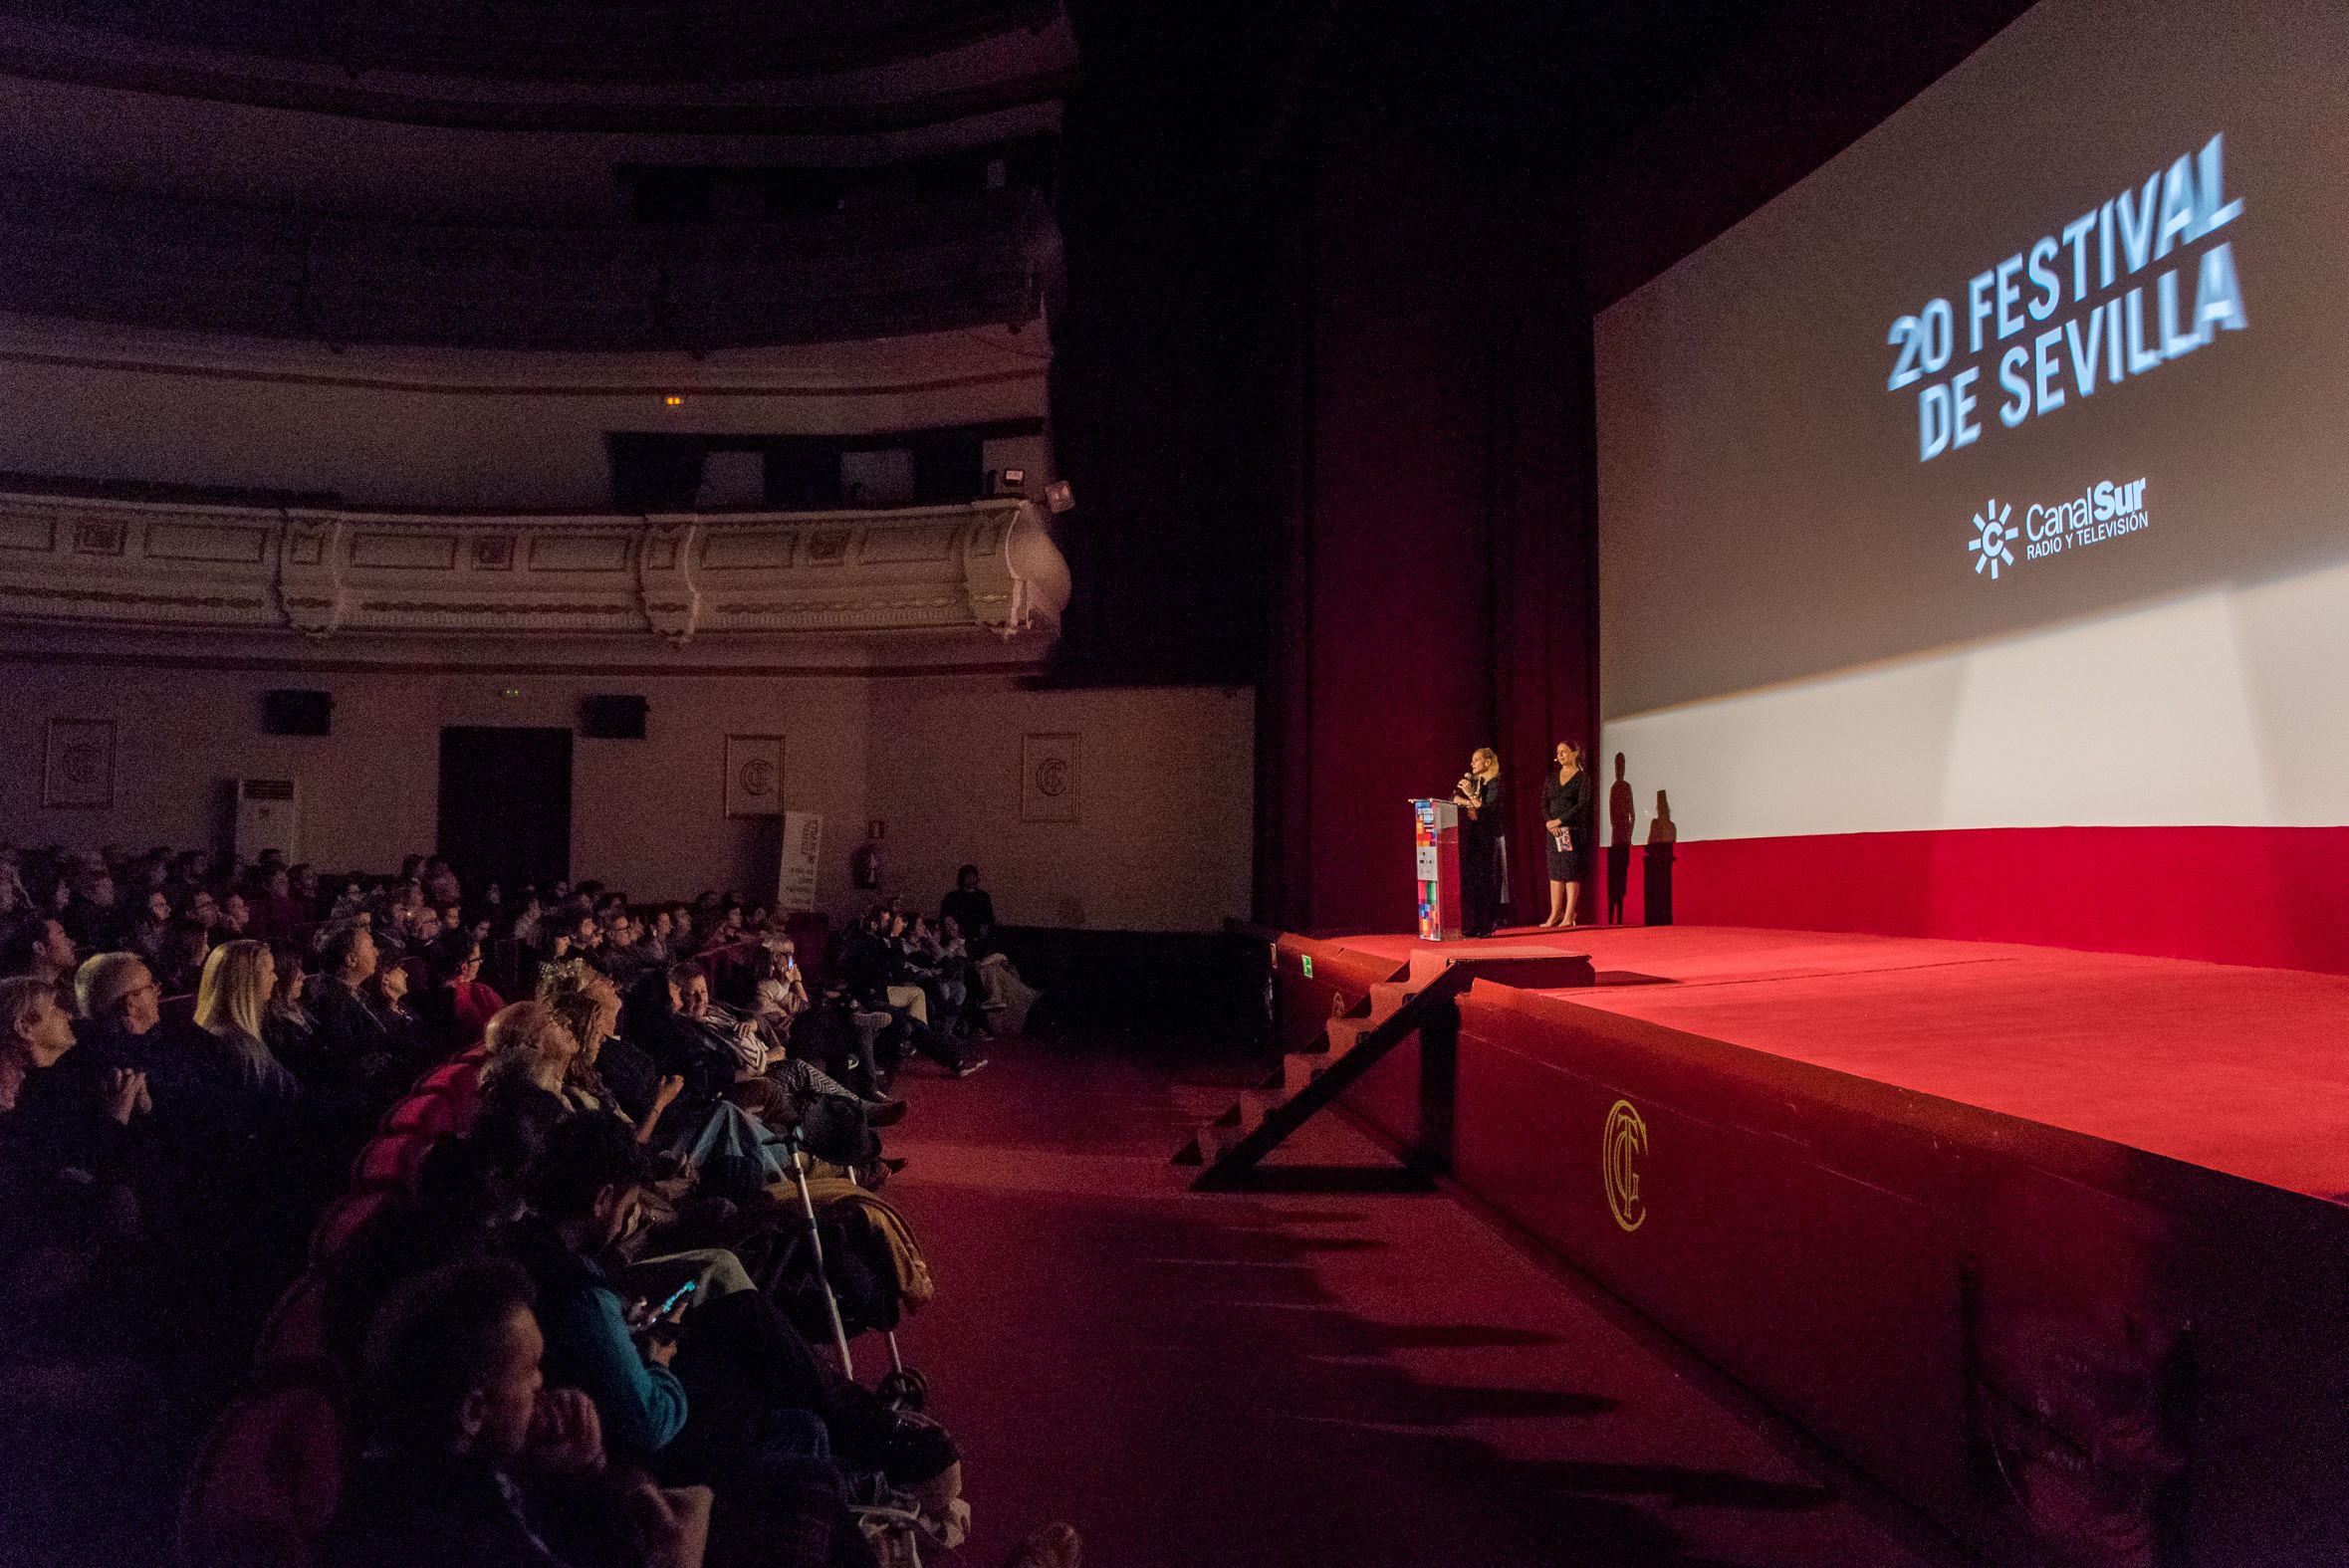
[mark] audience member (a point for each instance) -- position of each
(352, 1051)
(286, 1026)
(153, 922)
(528, 1041)
(232, 1003)
(387, 992)
(471, 1003)
(90, 916)
(42, 950)
(971, 910)
(474, 1463)
(179, 960)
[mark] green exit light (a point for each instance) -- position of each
(1309, 962)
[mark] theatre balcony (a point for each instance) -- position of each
(969, 260)
(974, 583)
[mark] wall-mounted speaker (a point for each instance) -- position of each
(291, 712)
(613, 717)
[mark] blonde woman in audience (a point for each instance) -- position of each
(591, 1007)
(232, 1006)
(530, 1040)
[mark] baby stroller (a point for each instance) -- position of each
(840, 1289)
(896, 1532)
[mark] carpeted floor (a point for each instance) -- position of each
(2234, 1068)
(1359, 1379)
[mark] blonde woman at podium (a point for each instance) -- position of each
(1478, 795)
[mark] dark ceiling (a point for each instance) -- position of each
(583, 41)
(1212, 87)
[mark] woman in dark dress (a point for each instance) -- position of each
(1565, 800)
(1478, 795)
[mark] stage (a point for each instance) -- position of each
(2240, 1071)
(2044, 1240)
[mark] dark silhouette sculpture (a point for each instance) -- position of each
(1622, 820)
(1663, 834)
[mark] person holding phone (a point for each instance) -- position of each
(479, 1461)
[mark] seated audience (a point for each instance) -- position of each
(352, 1051)
(278, 913)
(474, 1463)
(178, 1172)
(528, 1041)
(232, 1003)
(120, 1004)
(179, 960)
(589, 1005)
(387, 992)
(285, 1025)
(90, 916)
(471, 1003)
(42, 950)
(63, 1221)
(782, 1442)
(149, 928)
(968, 912)
(874, 974)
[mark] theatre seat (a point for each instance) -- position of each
(392, 1160)
(293, 1345)
(341, 1221)
(425, 1115)
(460, 1081)
(265, 1484)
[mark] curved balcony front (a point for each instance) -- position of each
(982, 581)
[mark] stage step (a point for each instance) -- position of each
(1300, 1067)
(1526, 968)
(1394, 1011)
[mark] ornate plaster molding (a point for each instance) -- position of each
(149, 567)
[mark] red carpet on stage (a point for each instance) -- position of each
(2241, 1070)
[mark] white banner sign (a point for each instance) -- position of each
(802, 846)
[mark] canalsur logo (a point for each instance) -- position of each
(1991, 538)
(2105, 511)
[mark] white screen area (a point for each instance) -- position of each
(2083, 303)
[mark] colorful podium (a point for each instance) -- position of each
(1435, 837)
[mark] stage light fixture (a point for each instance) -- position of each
(1060, 495)
(675, 400)
(1007, 482)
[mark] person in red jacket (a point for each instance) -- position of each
(456, 963)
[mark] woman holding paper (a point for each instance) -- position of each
(1565, 800)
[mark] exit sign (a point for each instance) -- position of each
(1307, 960)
